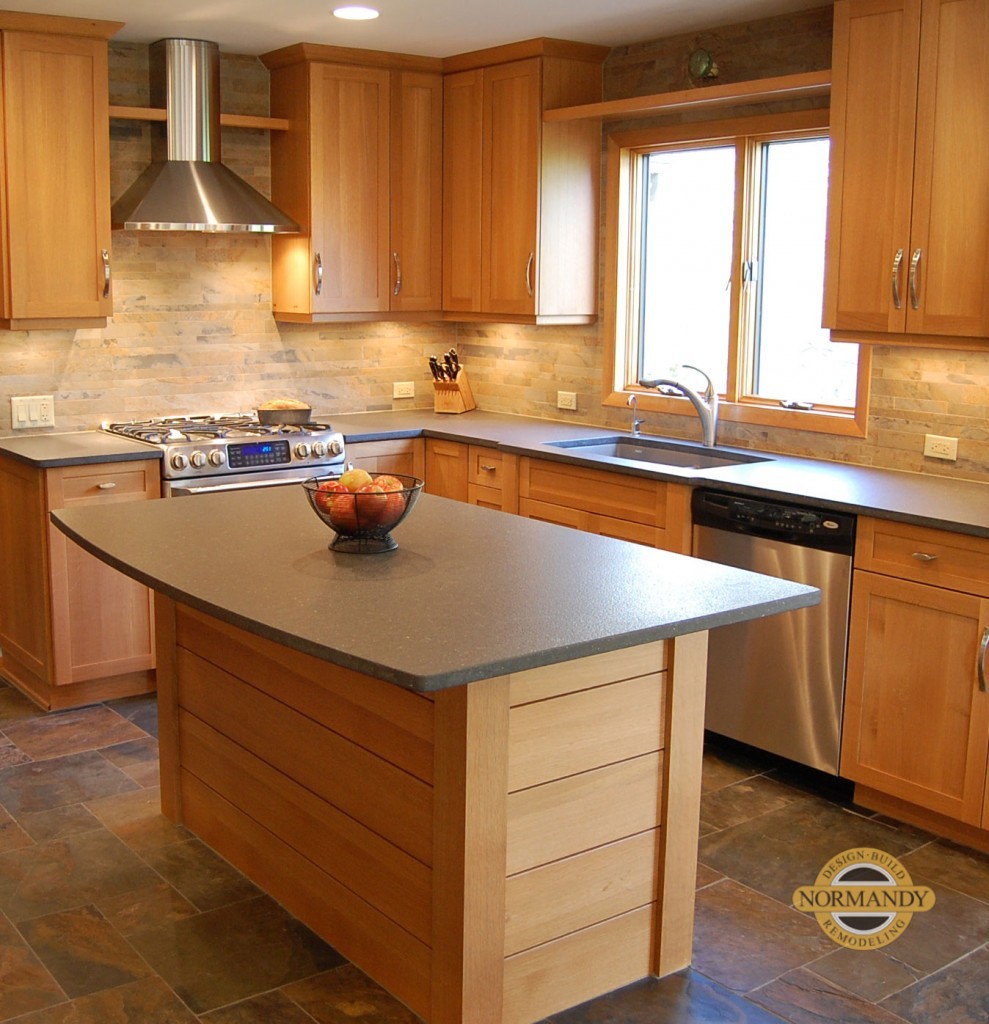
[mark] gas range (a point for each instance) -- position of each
(233, 451)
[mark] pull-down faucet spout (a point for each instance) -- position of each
(706, 404)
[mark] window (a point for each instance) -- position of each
(718, 262)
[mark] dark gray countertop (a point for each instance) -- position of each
(469, 593)
(73, 449)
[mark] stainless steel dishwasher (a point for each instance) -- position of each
(778, 683)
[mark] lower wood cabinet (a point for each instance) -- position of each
(399, 455)
(72, 630)
(652, 512)
(472, 473)
(916, 721)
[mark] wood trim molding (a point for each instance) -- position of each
(275, 124)
(53, 24)
(302, 53)
(540, 47)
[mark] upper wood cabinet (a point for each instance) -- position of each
(55, 247)
(360, 170)
(520, 196)
(908, 230)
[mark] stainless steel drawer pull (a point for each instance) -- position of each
(983, 647)
(897, 266)
(317, 274)
(528, 273)
(488, 469)
(398, 273)
(107, 485)
(923, 556)
(914, 271)
(106, 272)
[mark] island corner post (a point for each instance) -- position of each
(489, 853)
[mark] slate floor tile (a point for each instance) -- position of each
(802, 997)
(270, 1008)
(743, 939)
(25, 983)
(69, 820)
(66, 873)
(44, 785)
(68, 732)
(205, 879)
(958, 994)
(347, 996)
(147, 1001)
(14, 706)
(723, 768)
(135, 817)
(142, 711)
(130, 912)
(12, 835)
(225, 956)
(944, 862)
(742, 801)
(11, 754)
(83, 952)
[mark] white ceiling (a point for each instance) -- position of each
(430, 27)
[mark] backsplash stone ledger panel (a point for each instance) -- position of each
(193, 330)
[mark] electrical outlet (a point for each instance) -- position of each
(32, 411)
(566, 400)
(938, 447)
(403, 389)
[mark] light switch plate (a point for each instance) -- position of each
(32, 411)
(566, 400)
(938, 447)
(403, 389)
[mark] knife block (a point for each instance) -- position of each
(453, 395)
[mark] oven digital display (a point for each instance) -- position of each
(258, 453)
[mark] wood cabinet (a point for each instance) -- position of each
(360, 170)
(472, 473)
(72, 629)
(398, 455)
(55, 245)
(520, 196)
(627, 507)
(908, 231)
(916, 721)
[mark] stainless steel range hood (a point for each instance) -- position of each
(186, 188)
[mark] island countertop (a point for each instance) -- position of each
(469, 594)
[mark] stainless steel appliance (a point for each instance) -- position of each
(233, 452)
(778, 683)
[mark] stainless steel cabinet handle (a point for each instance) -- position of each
(897, 266)
(983, 647)
(398, 273)
(317, 274)
(923, 556)
(914, 271)
(106, 272)
(488, 469)
(107, 485)
(528, 273)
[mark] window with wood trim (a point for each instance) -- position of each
(716, 240)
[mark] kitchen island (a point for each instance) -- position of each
(471, 764)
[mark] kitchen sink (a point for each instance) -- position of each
(655, 452)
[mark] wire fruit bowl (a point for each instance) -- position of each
(363, 520)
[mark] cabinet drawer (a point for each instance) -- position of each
(492, 478)
(486, 466)
(104, 482)
(952, 560)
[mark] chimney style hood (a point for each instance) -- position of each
(186, 188)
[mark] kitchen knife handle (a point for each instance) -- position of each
(317, 274)
(398, 273)
(897, 267)
(983, 647)
(106, 272)
(528, 273)
(914, 271)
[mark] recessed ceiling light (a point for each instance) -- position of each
(355, 13)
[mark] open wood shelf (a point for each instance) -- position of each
(274, 124)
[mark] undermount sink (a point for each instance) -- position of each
(654, 452)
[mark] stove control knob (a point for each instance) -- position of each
(335, 447)
(198, 459)
(217, 457)
(318, 449)
(179, 461)
(302, 451)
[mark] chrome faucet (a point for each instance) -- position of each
(706, 404)
(636, 422)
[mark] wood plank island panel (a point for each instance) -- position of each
(460, 848)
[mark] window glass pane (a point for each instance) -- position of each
(688, 220)
(794, 360)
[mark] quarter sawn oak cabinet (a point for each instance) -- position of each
(73, 630)
(360, 170)
(916, 723)
(908, 231)
(520, 196)
(472, 473)
(56, 173)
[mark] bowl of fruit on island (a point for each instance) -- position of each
(363, 508)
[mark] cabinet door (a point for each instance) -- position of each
(512, 120)
(417, 191)
(462, 139)
(402, 455)
(446, 469)
(873, 105)
(916, 723)
(350, 187)
(949, 239)
(56, 241)
(101, 619)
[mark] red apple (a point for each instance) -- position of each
(395, 504)
(371, 502)
(343, 511)
(323, 492)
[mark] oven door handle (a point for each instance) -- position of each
(181, 490)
